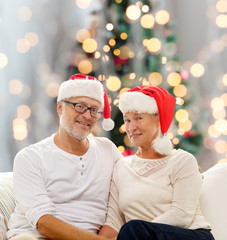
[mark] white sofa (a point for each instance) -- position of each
(213, 200)
(7, 201)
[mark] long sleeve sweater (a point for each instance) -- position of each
(165, 190)
(75, 189)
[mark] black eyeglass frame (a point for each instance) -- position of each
(85, 108)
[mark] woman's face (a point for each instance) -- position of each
(141, 128)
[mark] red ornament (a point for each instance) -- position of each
(118, 60)
(184, 75)
(187, 134)
(128, 152)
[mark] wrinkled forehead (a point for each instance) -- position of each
(133, 114)
(91, 102)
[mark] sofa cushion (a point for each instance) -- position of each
(7, 201)
(214, 199)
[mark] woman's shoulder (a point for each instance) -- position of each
(124, 160)
(182, 154)
(181, 157)
(121, 163)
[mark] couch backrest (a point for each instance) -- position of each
(213, 200)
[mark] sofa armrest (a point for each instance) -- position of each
(7, 201)
(213, 199)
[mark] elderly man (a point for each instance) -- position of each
(62, 182)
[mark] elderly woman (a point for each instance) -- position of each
(154, 193)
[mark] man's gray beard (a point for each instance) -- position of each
(72, 130)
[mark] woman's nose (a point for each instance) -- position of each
(132, 126)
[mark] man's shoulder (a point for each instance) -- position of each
(38, 146)
(105, 146)
(101, 140)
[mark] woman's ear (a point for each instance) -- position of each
(157, 121)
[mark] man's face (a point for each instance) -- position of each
(78, 125)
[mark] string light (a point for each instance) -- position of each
(155, 78)
(32, 38)
(213, 132)
(3, 60)
(52, 89)
(221, 6)
(19, 129)
(106, 48)
(197, 70)
(224, 79)
(162, 17)
(123, 36)
(83, 4)
(217, 104)
(181, 115)
(133, 12)
(90, 45)
(82, 35)
(147, 21)
(15, 87)
(221, 21)
(154, 45)
(85, 66)
(121, 149)
(174, 79)
(23, 111)
(109, 26)
(180, 90)
(112, 42)
(23, 45)
(24, 14)
(113, 83)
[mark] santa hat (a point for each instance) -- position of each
(152, 99)
(80, 85)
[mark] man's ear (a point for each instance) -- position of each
(59, 108)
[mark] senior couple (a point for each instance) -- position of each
(71, 186)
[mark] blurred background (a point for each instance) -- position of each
(176, 44)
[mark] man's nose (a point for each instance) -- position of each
(87, 114)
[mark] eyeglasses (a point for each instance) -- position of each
(81, 108)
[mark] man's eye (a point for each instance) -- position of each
(94, 110)
(79, 106)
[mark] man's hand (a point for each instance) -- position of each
(56, 229)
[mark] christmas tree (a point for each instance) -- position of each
(131, 43)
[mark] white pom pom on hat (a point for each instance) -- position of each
(151, 99)
(80, 85)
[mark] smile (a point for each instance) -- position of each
(135, 136)
(84, 124)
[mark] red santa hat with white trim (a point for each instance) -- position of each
(80, 85)
(151, 99)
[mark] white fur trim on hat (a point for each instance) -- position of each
(162, 145)
(137, 102)
(81, 88)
